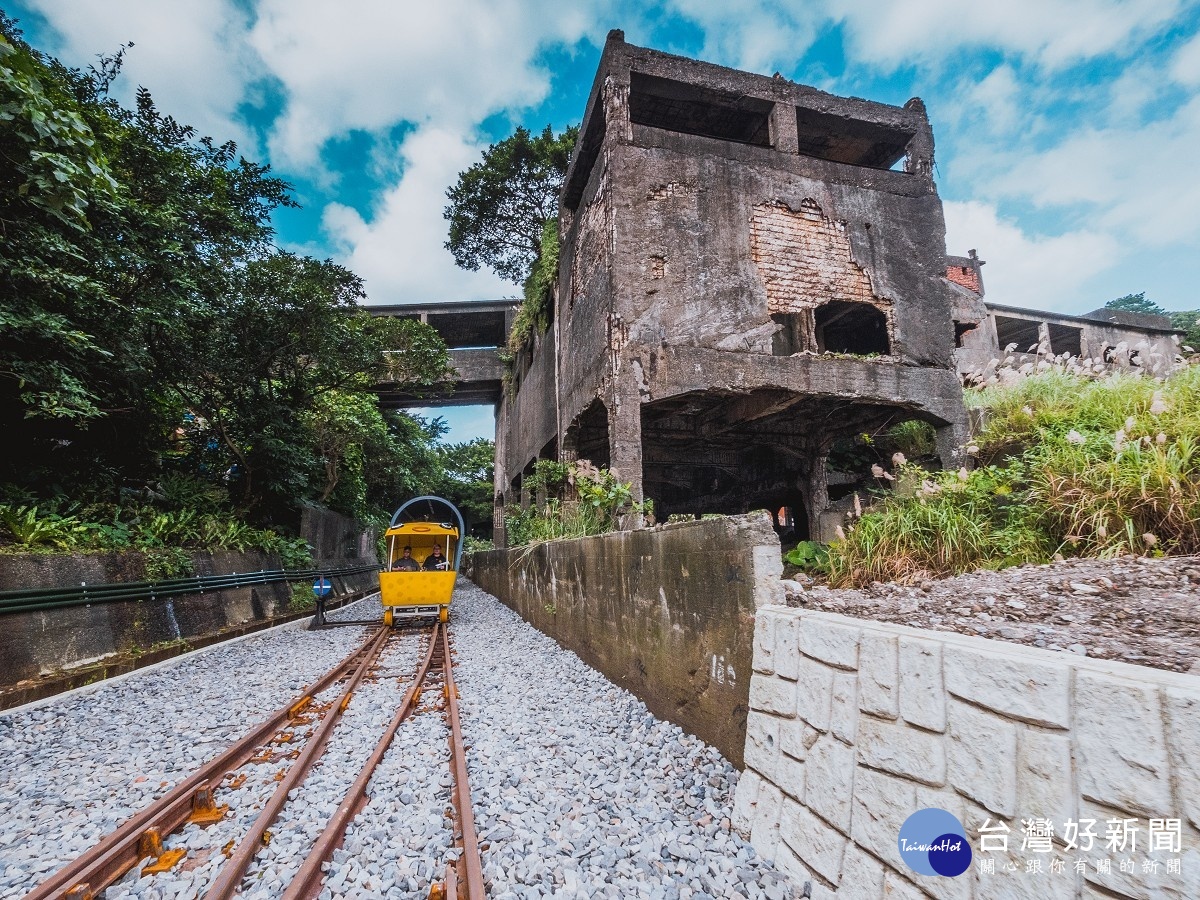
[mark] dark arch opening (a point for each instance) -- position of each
(846, 327)
(591, 434)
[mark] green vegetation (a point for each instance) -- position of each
(1068, 466)
(582, 500)
(810, 556)
(503, 214)
(499, 206)
(537, 309)
(155, 335)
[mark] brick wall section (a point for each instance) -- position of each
(855, 725)
(804, 258)
(964, 276)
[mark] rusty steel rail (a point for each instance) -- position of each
(464, 879)
(234, 870)
(109, 860)
(306, 884)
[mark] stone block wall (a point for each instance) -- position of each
(855, 725)
(666, 613)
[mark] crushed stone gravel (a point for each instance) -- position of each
(578, 790)
(1133, 609)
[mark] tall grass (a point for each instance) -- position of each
(1070, 465)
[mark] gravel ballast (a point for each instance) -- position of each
(1134, 609)
(578, 791)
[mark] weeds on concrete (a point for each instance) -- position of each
(1069, 465)
(591, 500)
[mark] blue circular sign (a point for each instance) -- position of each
(322, 587)
(933, 842)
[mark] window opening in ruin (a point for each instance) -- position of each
(692, 109)
(847, 327)
(961, 330)
(1022, 332)
(1110, 354)
(792, 336)
(842, 491)
(855, 143)
(585, 159)
(1065, 339)
(592, 434)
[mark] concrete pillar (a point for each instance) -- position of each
(1043, 347)
(784, 136)
(617, 125)
(951, 441)
(499, 531)
(816, 498)
(625, 446)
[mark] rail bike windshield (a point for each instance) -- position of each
(425, 536)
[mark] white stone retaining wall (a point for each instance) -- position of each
(854, 725)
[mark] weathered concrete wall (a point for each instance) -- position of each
(530, 414)
(728, 241)
(667, 613)
(855, 725)
(33, 644)
(1145, 343)
(333, 536)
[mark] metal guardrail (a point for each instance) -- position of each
(59, 598)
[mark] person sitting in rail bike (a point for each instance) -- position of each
(435, 562)
(406, 563)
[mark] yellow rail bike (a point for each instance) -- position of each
(423, 548)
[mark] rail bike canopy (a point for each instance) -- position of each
(416, 587)
(425, 517)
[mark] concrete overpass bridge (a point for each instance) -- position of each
(474, 332)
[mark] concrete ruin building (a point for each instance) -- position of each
(990, 334)
(751, 270)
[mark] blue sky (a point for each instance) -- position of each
(1066, 130)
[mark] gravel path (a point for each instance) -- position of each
(578, 790)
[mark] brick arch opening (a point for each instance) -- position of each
(848, 327)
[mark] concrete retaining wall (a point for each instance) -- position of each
(854, 725)
(35, 644)
(667, 613)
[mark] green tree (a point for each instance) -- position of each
(115, 223)
(468, 475)
(1136, 303)
(406, 464)
(255, 362)
(499, 205)
(1189, 323)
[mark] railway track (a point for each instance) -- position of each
(301, 732)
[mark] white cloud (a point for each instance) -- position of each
(755, 35)
(369, 65)
(1053, 32)
(765, 34)
(1185, 67)
(1136, 182)
(190, 54)
(400, 251)
(1021, 270)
